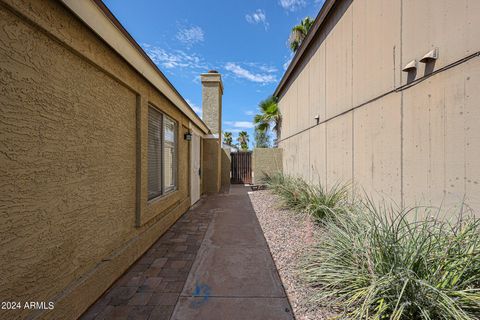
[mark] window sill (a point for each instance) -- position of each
(162, 197)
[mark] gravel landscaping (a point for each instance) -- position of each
(289, 236)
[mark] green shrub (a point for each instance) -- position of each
(273, 181)
(327, 201)
(316, 200)
(380, 263)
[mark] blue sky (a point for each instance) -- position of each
(246, 41)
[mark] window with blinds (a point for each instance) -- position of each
(169, 154)
(162, 154)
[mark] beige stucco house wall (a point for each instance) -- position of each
(410, 137)
(74, 213)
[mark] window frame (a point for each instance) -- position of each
(163, 190)
(175, 163)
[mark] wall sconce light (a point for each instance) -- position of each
(317, 118)
(430, 56)
(187, 136)
(411, 66)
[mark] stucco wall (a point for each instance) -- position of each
(212, 92)
(212, 166)
(409, 138)
(266, 161)
(226, 167)
(74, 211)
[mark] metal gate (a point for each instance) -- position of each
(241, 171)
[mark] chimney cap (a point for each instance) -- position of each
(212, 76)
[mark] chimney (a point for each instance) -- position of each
(212, 91)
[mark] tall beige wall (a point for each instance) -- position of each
(74, 213)
(409, 138)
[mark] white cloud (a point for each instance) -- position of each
(239, 124)
(233, 130)
(262, 67)
(196, 79)
(249, 112)
(269, 69)
(292, 5)
(243, 124)
(287, 63)
(175, 59)
(257, 17)
(195, 107)
(190, 35)
(259, 77)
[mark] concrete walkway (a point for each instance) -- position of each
(214, 263)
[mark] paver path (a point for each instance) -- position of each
(213, 263)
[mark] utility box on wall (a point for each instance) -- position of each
(266, 161)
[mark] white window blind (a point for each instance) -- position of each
(169, 154)
(154, 153)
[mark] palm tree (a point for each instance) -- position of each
(243, 140)
(299, 32)
(269, 116)
(262, 139)
(227, 138)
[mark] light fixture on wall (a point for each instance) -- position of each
(411, 66)
(430, 56)
(187, 136)
(317, 118)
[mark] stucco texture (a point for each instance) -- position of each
(212, 91)
(212, 166)
(404, 138)
(226, 168)
(266, 161)
(73, 199)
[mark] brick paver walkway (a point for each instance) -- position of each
(151, 287)
(213, 263)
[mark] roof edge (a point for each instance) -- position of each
(130, 50)
(317, 24)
